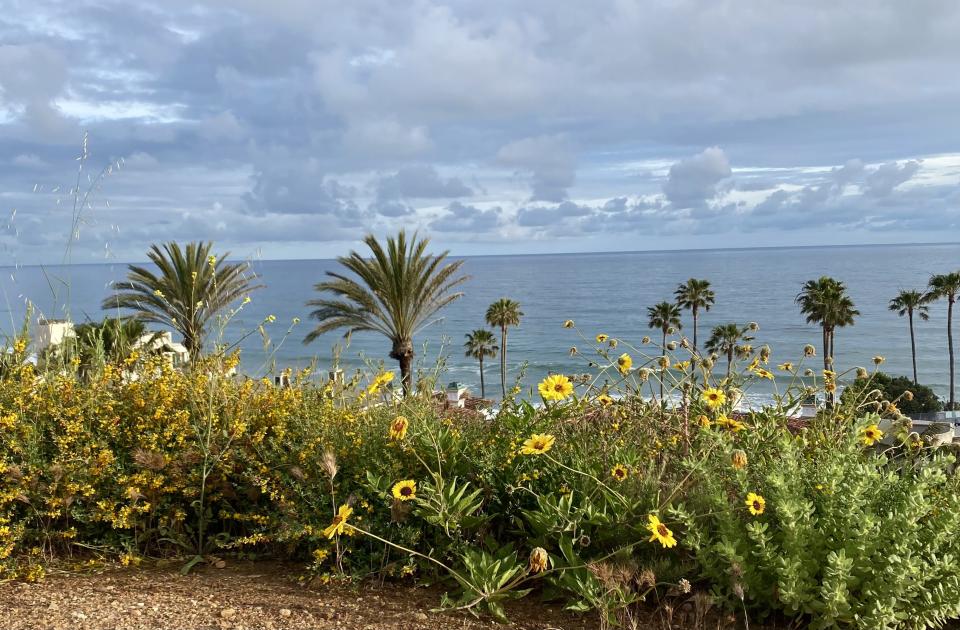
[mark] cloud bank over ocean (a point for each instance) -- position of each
(496, 127)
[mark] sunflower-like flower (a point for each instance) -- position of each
(624, 363)
(755, 503)
(398, 428)
(713, 397)
(605, 400)
(539, 560)
(555, 387)
(619, 472)
(738, 460)
(537, 444)
(568, 323)
(660, 532)
(339, 524)
(405, 490)
(704, 421)
(786, 366)
(602, 338)
(870, 435)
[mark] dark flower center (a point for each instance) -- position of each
(662, 530)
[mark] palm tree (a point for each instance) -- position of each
(481, 344)
(825, 302)
(192, 287)
(397, 293)
(947, 286)
(664, 316)
(909, 303)
(693, 295)
(502, 314)
(725, 339)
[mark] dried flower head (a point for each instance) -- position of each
(539, 560)
(809, 351)
(330, 463)
(568, 323)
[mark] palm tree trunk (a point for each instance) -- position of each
(826, 348)
(402, 352)
(729, 360)
(503, 362)
(950, 300)
(663, 373)
(483, 393)
(913, 347)
(694, 329)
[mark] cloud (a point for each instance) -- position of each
(549, 159)
(420, 182)
(883, 179)
(693, 181)
(539, 216)
(468, 220)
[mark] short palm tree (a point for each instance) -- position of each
(397, 292)
(191, 287)
(912, 303)
(664, 316)
(947, 285)
(479, 345)
(825, 302)
(725, 339)
(694, 295)
(502, 314)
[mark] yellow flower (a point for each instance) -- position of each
(398, 428)
(555, 387)
(537, 444)
(405, 490)
(786, 367)
(871, 435)
(568, 323)
(624, 363)
(601, 338)
(755, 503)
(877, 360)
(713, 397)
(339, 523)
(619, 472)
(660, 532)
(738, 460)
(704, 421)
(604, 400)
(762, 373)
(539, 560)
(830, 387)
(158, 293)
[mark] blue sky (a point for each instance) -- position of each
(289, 128)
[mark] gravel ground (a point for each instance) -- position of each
(241, 596)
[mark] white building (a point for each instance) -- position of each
(52, 332)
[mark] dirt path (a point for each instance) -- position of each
(241, 596)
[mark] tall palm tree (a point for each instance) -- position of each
(825, 302)
(664, 316)
(693, 295)
(911, 303)
(947, 285)
(502, 314)
(481, 344)
(191, 288)
(397, 292)
(725, 339)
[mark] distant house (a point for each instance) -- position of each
(162, 343)
(51, 333)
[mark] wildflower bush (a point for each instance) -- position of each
(601, 495)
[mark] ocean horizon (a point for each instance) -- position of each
(603, 292)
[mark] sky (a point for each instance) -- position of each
(291, 128)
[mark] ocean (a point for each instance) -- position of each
(601, 292)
